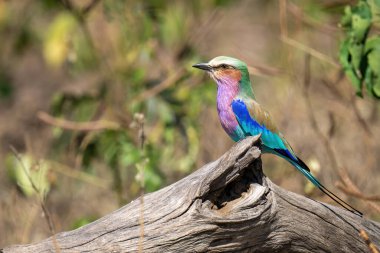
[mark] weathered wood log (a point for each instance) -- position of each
(227, 205)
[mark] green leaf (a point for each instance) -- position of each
(6, 88)
(344, 55)
(152, 179)
(28, 171)
(51, 4)
(363, 9)
(360, 27)
(373, 50)
(375, 10)
(356, 52)
(23, 40)
(347, 17)
(368, 80)
(372, 43)
(360, 55)
(376, 87)
(129, 154)
(5, 13)
(85, 109)
(58, 37)
(345, 60)
(82, 221)
(174, 26)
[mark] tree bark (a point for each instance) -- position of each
(228, 205)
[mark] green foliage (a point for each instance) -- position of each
(23, 40)
(6, 88)
(360, 52)
(82, 221)
(150, 43)
(174, 28)
(58, 38)
(28, 171)
(4, 14)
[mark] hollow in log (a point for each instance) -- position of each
(228, 205)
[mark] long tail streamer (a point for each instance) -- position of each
(326, 191)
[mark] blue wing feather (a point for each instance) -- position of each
(274, 143)
(250, 126)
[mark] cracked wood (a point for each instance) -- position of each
(227, 205)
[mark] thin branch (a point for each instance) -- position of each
(347, 102)
(264, 71)
(203, 26)
(80, 16)
(325, 140)
(283, 19)
(310, 51)
(359, 117)
(169, 81)
(371, 246)
(332, 86)
(67, 4)
(41, 198)
(354, 193)
(89, 7)
(350, 188)
(139, 121)
(84, 11)
(19, 159)
(285, 38)
(337, 3)
(374, 206)
(78, 175)
(298, 13)
(78, 126)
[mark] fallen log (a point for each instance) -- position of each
(228, 205)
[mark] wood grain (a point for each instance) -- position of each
(228, 205)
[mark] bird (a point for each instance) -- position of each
(241, 115)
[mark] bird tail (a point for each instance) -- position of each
(302, 167)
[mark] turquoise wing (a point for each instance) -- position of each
(254, 120)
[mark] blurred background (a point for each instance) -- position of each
(99, 102)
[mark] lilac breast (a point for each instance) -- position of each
(227, 117)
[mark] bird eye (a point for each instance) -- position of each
(224, 66)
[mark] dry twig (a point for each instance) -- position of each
(348, 187)
(310, 51)
(41, 198)
(325, 140)
(139, 121)
(285, 38)
(283, 19)
(372, 247)
(169, 81)
(299, 14)
(79, 175)
(78, 126)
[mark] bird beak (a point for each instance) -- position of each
(203, 66)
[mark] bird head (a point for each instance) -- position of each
(228, 71)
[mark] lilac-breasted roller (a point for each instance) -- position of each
(240, 116)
